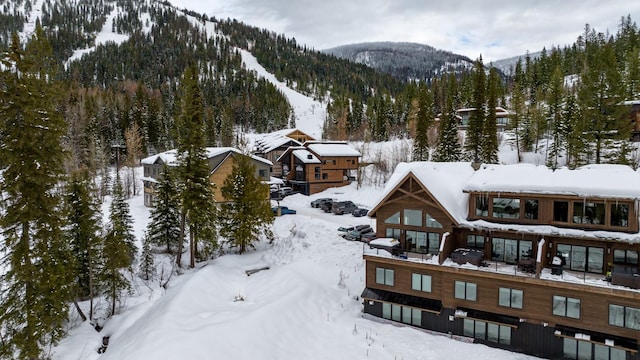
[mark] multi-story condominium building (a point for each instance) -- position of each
(220, 159)
(271, 146)
(518, 257)
(318, 165)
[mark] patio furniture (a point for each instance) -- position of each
(626, 276)
(471, 256)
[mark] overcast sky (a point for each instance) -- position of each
(493, 29)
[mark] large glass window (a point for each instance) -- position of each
(421, 282)
(386, 311)
(466, 290)
(566, 306)
(475, 241)
(588, 213)
(582, 258)
(506, 208)
(393, 219)
(486, 331)
(619, 215)
(561, 211)
(624, 316)
(531, 209)
(422, 242)
(510, 298)
(392, 233)
(627, 257)
(585, 350)
(413, 217)
(432, 222)
(482, 205)
(510, 251)
(384, 276)
(402, 313)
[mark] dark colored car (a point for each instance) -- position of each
(360, 212)
(317, 202)
(283, 210)
(343, 207)
(326, 206)
(356, 234)
(366, 237)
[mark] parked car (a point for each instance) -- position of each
(283, 210)
(317, 202)
(344, 230)
(356, 234)
(360, 212)
(326, 206)
(366, 237)
(343, 207)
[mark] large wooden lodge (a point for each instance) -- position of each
(519, 257)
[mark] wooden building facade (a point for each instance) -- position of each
(545, 282)
(221, 161)
(317, 166)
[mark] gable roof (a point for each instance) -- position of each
(170, 157)
(306, 156)
(444, 181)
(274, 140)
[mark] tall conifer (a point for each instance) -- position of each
(36, 283)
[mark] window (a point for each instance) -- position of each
(482, 205)
(566, 306)
(402, 313)
(422, 242)
(531, 209)
(432, 222)
(580, 349)
(325, 176)
(392, 233)
(420, 282)
(384, 276)
(624, 316)
(582, 258)
(627, 257)
(487, 331)
(262, 173)
(510, 298)
(619, 215)
(466, 291)
(317, 172)
(393, 219)
(588, 213)
(510, 250)
(506, 208)
(475, 241)
(561, 211)
(413, 217)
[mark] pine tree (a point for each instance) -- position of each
(36, 283)
(424, 121)
(248, 213)
(117, 248)
(164, 227)
(147, 267)
(475, 130)
(83, 233)
(489, 144)
(518, 107)
(196, 195)
(449, 148)
(557, 126)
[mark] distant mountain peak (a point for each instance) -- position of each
(404, 60)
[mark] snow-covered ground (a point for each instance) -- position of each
(305, 306)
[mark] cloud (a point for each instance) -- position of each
(495, 29)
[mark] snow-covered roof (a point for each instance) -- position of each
(306, 156)
(444, 181)
(274, 140)
(170, 157)
(603, 180)
(390, 242)
(332, 149)
(449, 183)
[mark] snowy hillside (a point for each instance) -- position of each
(305, 306)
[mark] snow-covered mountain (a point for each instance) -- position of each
(403, 60)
